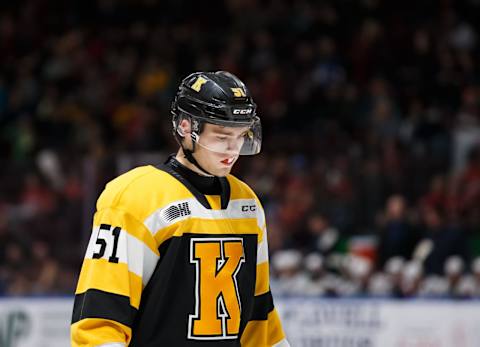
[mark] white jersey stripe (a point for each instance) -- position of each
(192, 208)
(262, 249)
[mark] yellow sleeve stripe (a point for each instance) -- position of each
(263, 333)
(262, 284)
(275, 331)
(208, 226)
(127, 222)
(255, 334)
(110, 277)
(95, 332)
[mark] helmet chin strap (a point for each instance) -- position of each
(189, 156)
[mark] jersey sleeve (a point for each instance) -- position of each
(120, 259)
(264, 328)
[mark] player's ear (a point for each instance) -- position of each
(184, 127)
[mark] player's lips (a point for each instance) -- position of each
(228, 161)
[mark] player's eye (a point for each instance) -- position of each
(248, 134)
(221, 138)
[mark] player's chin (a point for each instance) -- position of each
(222, 171)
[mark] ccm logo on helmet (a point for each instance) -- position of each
(242, 111)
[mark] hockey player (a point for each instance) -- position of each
(178, 255)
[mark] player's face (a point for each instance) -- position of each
(218, 148)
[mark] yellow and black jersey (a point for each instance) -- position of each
(168, 266)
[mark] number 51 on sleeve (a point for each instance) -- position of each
(103, 238)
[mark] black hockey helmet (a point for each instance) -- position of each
(219, 98)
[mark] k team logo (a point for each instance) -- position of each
(198, 84)
(217, 301)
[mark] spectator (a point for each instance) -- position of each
(397, 236)
(445, 241)
(322, 236)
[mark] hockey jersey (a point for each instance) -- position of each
(169, 266)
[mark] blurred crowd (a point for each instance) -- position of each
(355, 276)
(370, 169)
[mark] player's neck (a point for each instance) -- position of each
(180, 157)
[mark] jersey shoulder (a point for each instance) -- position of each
(240, 189)
(141, 191)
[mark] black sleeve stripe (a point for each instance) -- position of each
(262, 306)
(96, 303)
